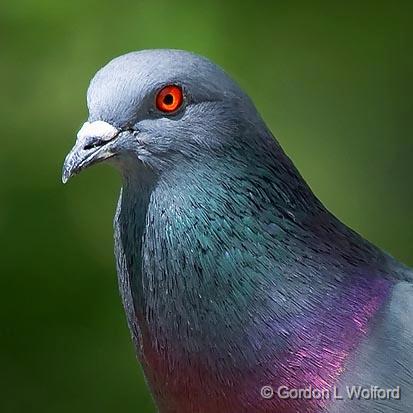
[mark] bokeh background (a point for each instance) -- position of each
(334, 82)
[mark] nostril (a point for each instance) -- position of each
(94, 143)
(90, 146)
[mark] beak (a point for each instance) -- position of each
(91, 147)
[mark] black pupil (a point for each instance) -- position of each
(168, 99)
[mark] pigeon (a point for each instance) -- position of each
(242, 292)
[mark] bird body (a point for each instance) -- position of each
(234, 277)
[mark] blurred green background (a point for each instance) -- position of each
(334, 82)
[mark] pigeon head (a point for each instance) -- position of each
(154, 108)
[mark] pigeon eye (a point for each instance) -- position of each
(169, 98)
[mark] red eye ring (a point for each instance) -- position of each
(169, 98)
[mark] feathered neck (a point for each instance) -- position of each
(240, 277)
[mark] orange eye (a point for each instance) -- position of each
(169, 99)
